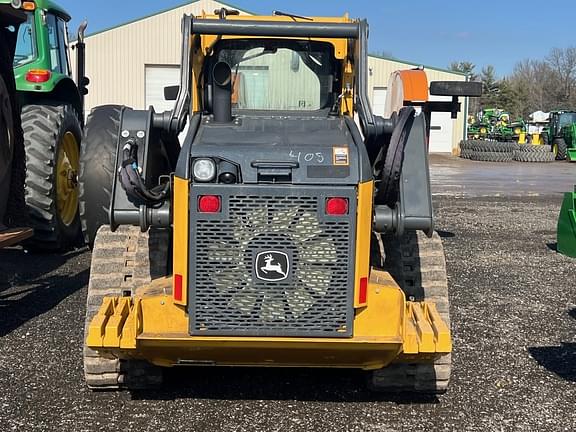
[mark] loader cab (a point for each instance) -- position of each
(275, 75)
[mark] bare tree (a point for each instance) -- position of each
(562, 62)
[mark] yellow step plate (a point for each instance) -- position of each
(426, 332)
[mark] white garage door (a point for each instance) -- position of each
(441, 126)
(158, 77)
(379, 100)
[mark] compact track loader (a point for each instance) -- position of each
(279, 233)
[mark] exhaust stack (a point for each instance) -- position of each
(222, 97)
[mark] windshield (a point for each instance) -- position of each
(567, 119)
(26, 44)
(279, 74)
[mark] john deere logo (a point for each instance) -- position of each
(272, 266)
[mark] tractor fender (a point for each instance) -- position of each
(62, 89)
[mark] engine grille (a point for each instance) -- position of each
(273, 265)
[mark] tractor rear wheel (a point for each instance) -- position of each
(97, 166)
(559, 148)
(418, 265)
(52, 136)
(6, 147)
(121, 262)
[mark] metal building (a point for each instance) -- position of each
(130, 64)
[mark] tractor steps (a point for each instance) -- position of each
(13, 236)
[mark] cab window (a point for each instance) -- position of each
(57, 39)
(26, 42)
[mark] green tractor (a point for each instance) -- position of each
(52, 108)
(561, 134)
(566, 235)
(12, 158)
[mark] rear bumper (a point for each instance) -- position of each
(151, 327)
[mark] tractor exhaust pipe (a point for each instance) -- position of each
(81, 80)
(222, 97)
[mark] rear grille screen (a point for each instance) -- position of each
(273, 265)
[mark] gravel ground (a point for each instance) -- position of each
(514, 325)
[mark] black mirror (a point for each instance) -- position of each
(84, 82)
(455, 88)
(171, 92)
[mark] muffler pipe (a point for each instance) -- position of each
(222, 97)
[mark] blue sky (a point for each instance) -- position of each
(430, 32)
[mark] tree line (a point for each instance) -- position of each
(533, 85)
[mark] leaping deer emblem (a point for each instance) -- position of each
(269, 267)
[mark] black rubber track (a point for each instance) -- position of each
(97, 165)
(389, 185)
(122, 261)
(44, 127)
(562, 148)
(418, 266)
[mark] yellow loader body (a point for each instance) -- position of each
(152, 327)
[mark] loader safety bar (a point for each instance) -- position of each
(275, 28)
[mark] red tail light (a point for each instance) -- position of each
(337, 206)
(38, 75)
(209, 204)
(178, 287)
(363, 294)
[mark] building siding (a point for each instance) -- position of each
(116, 59)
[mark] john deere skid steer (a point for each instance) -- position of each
(279, 233)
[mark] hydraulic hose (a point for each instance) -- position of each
(132, 181)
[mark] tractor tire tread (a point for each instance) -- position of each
(562, 147)
(43, 126)
(521, 156)
(97, 164)
(535, 148)
(485, 156)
